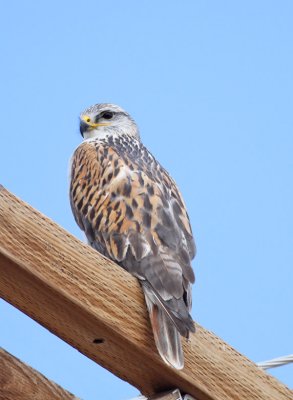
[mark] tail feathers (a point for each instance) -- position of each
(167, 337)
(176, 310)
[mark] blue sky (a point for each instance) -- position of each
(210, 85)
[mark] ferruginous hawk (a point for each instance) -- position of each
(132, 212)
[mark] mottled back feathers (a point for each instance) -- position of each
(132, 212)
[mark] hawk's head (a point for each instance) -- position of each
(103, 120)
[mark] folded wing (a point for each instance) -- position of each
(131, 211)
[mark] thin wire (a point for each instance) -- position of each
(276, 362)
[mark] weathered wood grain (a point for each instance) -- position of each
(18, 381)
(98, 308)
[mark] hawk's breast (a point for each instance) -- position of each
(132, 212)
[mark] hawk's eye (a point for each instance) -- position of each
(107, 115)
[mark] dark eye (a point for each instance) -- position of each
(107, 115)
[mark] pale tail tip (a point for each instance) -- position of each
(172, 362)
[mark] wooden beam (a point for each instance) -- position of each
(98, 308)
(18, 381)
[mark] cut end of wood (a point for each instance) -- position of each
(1, 187)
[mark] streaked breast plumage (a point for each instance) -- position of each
(132, 212)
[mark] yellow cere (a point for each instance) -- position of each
(87, 120)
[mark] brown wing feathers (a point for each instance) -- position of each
(132, 212)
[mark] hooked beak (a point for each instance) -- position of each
(86, 124)
(83, 127)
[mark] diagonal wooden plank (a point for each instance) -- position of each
(18, 381)
(98, 308)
